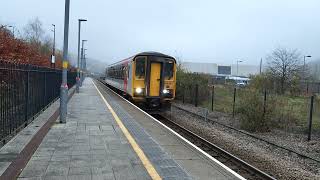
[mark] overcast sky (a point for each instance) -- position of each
(195, 30)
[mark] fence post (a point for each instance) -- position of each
(212, 97)
(205, 114)
(190, 94)
(45, 89)
(310, 118)
(26, 110)
(183, 94)
(196, 96)
(234, 101)
(264, 102)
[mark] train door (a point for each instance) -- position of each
(155, 79)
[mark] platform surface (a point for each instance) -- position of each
(91, 145)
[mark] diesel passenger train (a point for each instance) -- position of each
(147, 79)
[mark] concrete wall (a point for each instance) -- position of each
(207, 68)
(244, 70)
(212, 68)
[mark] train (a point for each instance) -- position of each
(148, 79)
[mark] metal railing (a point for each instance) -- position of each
(26, 90)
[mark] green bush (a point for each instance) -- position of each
(186, 83)
(251, 112)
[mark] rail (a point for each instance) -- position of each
(241, 167)
(248, 134)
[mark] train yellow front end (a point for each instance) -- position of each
(148, 79)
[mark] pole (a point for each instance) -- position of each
(183, 94)
(78, 67)
(304, 69)
(64, 84)
(81, 65)
(264, 102)
(82, 62)
(54, 40)
(212, 97)
(13, 31)
(196, 96)
(310, 118)
(260, 66)
(234, 101)
(237, 68)
(54, 46)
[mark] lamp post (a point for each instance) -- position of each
(78, 68)
(81, 61)
(304, 64)
(304, 71)
(64, 84)
(53, 57)
(239, 61)
(12, 30)
(84, 60)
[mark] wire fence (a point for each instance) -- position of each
(294, 114)
(25, 90)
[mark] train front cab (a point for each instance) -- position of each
(154, 81)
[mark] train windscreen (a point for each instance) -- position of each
(168, 70)
(140, 67)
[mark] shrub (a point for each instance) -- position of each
(251, 112)
(186, 82)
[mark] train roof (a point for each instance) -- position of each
(151, 53)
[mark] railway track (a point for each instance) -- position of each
(303, 156)
(233, 162)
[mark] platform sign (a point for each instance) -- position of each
(53, 59)
(65, 64)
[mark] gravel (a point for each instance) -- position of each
(276, 162)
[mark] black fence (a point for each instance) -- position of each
(296, 114)
(26, 90)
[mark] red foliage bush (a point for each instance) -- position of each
(21, 52)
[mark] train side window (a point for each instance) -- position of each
(128, 71)
(168, 71)
(140, 67)
(123, 72)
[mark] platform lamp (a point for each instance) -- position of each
(304, 72)
(53, 57)
(238, 61)
(81, 61)
(12, 30)
(78, 69)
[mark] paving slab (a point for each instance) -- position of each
(92, 146)
(89, 146)
(172, 156)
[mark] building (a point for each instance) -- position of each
(221, 70)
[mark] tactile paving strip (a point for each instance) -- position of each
(164, 164)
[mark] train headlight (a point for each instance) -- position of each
(165, 91)
(139, 90)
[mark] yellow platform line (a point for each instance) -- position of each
(145, 161)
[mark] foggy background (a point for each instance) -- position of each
(199, 31)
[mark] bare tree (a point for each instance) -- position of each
(284, 65)
(46, 45)
(33, 32)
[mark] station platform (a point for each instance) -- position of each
(106, 137)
